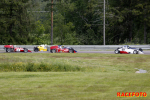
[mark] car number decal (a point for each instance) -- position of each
(17, 49)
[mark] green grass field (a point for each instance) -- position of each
(47, 76)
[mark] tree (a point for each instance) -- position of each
(16, 22)
(130, 18)
(86, 15)
(63, 31)
(142, 10)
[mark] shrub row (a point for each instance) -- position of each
(38, 67)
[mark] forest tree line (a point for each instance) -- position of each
(76, 22)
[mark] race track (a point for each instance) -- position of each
(103, 52)
(107, 52)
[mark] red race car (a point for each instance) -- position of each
(13, 48)
(60, 48)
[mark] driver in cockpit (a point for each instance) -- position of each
(62, 47)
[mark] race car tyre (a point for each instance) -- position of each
(116, 51)
(25, 50)
(48, 49)
(36, 49)
(8, 50)
(135, 52)
(53, 51)
(70, 51)
(140, 49)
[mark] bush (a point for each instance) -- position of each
(31, 67)
(38, 67)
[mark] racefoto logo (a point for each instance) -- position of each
(131, 94)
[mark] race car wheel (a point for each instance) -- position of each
(135, 52)
(53, 51)
(140, 49)
(8, 50)
(116, 51)
(36, 49)
(70, 51)
(48, 49)
(25, 50)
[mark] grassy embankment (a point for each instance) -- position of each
(72, 76)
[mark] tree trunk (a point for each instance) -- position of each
(145, 32)
(52, 22)
(11, 25)
(130, 35)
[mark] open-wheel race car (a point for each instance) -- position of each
(13, 48)
(61, 49)
(40, 48)
(128, 50)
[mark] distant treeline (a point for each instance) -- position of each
(76, 22)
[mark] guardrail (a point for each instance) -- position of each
(86, 47)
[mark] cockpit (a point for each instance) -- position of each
(61, 46)
(126, 47)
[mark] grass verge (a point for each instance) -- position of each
(95, 77)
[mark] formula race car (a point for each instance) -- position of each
(60, 48)
(40, 48)
(13, 48)
(128, 50)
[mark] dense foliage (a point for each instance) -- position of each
(15, 22)
(75, 22)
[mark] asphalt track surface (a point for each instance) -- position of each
(102, 52)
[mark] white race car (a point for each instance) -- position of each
(128, 50)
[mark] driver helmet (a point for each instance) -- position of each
(124, 46)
